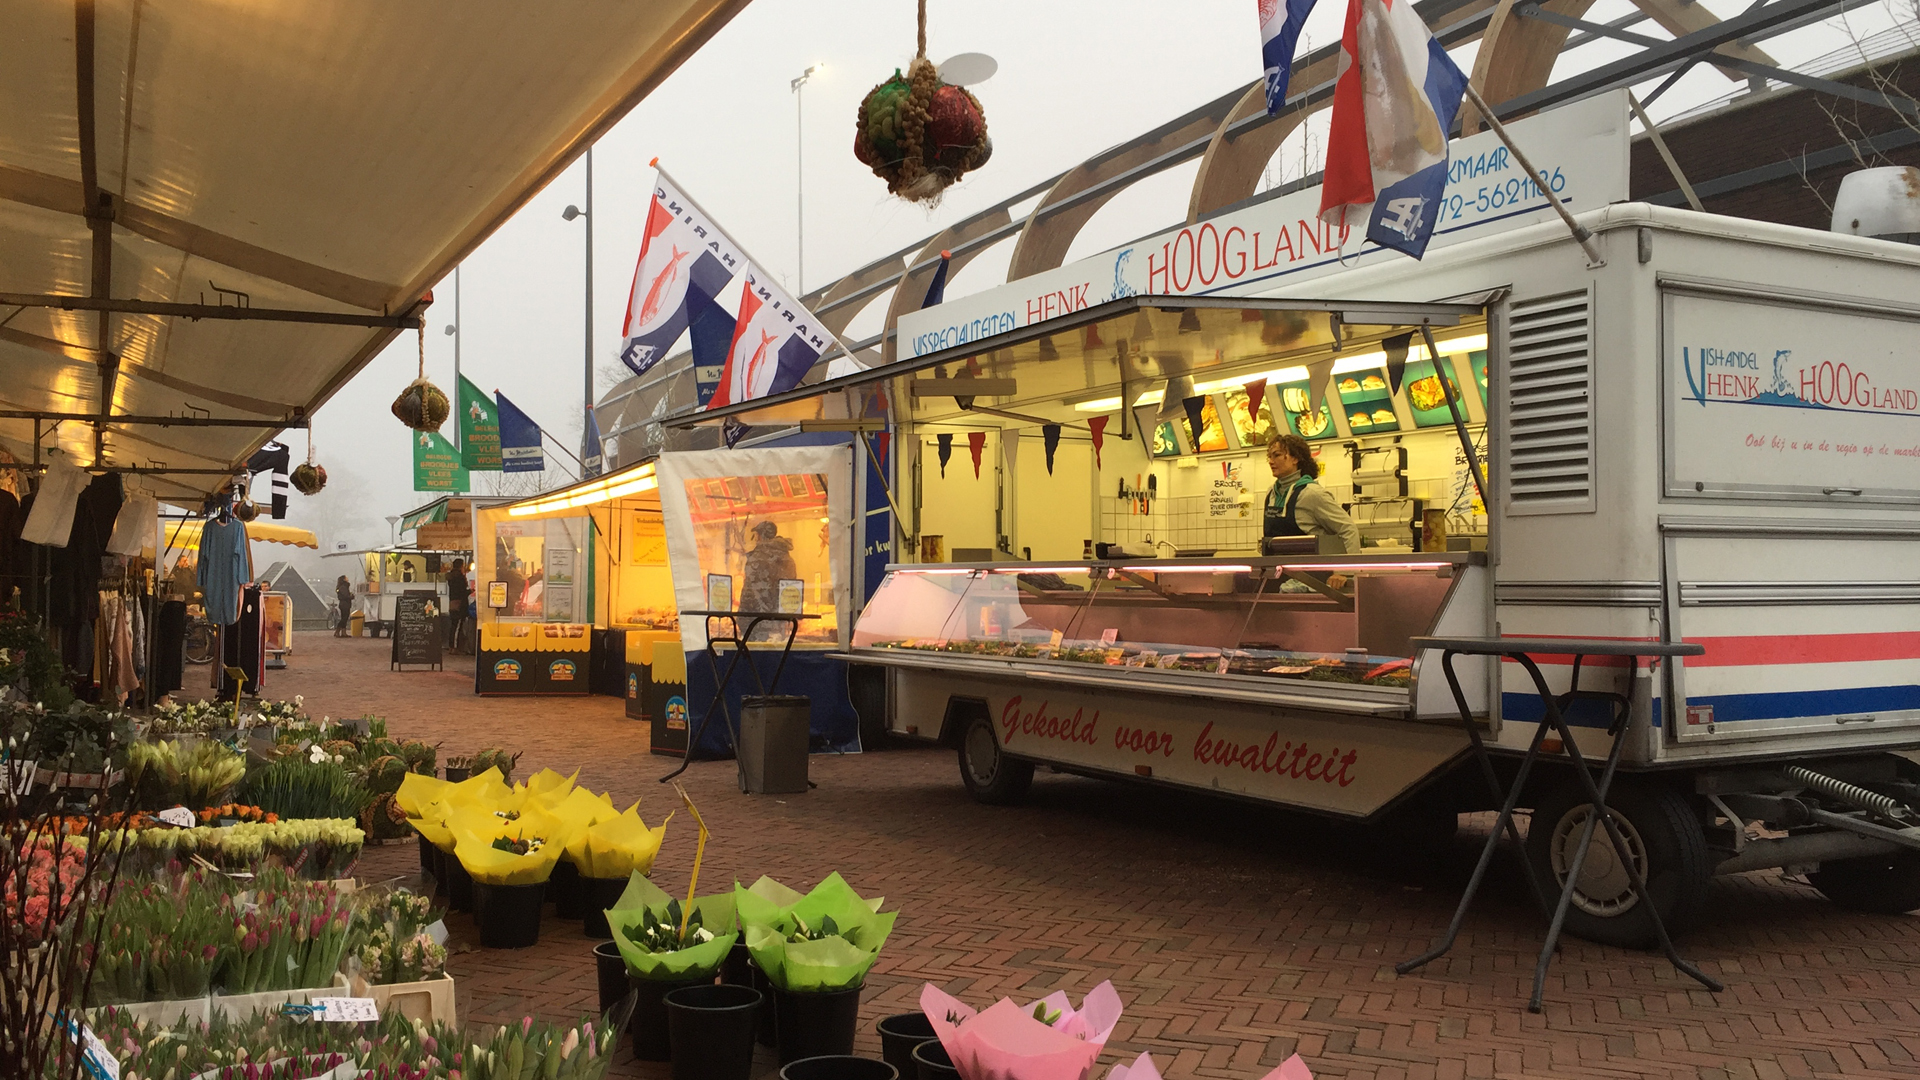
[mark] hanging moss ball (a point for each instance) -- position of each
(422, 406)
(309, 479)
(920, 135)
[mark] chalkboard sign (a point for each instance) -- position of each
(416, 629)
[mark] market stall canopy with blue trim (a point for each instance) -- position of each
(313, 156)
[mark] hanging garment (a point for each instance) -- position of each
(169, 648)
(273, 458)
(124, 681)
(133, 526)
(226, 565)
(51, 522)
(140, 621)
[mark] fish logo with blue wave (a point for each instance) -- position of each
(1730, 375)
(1120, 287)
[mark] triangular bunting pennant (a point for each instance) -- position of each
(1396, 348)
(1050, 436)
(1193, 407)
(976, 442)
(1256, 397)
(1318, 374)
(937, 289)
(1098, 426)
(946, 452)
(1010, 446)
(880, 444)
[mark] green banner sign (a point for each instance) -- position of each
(479, 428)
(436, 464)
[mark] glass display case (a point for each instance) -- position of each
(1330, 620)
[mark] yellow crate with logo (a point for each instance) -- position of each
(565, 652)
(641, 646)
(509, 660)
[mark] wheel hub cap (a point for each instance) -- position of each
(1604, 888)
(983, 754)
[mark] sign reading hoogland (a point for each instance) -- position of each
(1790, 401)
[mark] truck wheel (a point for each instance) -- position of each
(991, 776)
(1884, 884)
(1669, 849)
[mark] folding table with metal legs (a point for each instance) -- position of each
(1520, 651)
(738, 639)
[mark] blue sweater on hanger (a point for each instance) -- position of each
(226, 565)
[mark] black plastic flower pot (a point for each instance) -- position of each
(769, 1024)
(711, 1028)
(611, 970)
(599, 894)
(459, 883)
(455, 775)
(838, 1067)
(816, 1024)
(427, 853)
(899, 1034)
(931, 1062)
(563, 888)
(509, 915)
(737, 970)
(652, 1038)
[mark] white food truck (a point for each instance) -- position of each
(1713, 438)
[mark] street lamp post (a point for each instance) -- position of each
(800, 175)
(453, 331)
(569, 214)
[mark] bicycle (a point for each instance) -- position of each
(201, 638)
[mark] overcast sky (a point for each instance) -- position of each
(1074, 78)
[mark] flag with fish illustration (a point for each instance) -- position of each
(775, 342)
(685, 264)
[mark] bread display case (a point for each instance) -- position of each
(1329, 631)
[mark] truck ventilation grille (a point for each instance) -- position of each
(1550, 403)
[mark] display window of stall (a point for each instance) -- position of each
(638, 583)
(1317, 620)
(535, 564)
(767, 538)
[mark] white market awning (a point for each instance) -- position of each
(327, 157)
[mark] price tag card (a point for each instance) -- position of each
(99, 1061)
(1110, 635)
(438, 932)
(345, 1010)
(178, 816)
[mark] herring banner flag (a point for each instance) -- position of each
(1394, 101)
(520, 449)
(685, 263)
(1280, 23)
(775, 342)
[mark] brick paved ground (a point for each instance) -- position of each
(1236, 936)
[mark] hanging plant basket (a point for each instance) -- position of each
(308, 479)
(245, 510)
(422, 406)
(919, 134)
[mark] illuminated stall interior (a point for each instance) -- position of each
(764, 529)
(1147, 552)
(531, 551)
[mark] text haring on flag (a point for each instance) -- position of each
(685, 263)
(1394, 102)
(775, 344)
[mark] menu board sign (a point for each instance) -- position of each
(416, 629)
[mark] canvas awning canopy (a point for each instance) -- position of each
(635, 481)
(226, 211)
(186, 534)
(1066, 369)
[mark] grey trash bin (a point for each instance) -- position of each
(773, 744)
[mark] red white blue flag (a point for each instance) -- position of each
(685, 264)
(1280, 23)
(1394, 102)
(775, 342)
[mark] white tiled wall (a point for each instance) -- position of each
(1183, 522)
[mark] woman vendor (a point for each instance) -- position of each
(1298, 505)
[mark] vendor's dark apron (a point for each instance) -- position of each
(1279, 520)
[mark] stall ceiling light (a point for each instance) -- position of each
(1188, 569)
(1081, 569)
(1298, 373)
(597, 492)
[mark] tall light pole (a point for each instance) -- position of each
(800, 174)
(569, 214)
(453, 331)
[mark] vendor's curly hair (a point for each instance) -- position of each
(1298, 448)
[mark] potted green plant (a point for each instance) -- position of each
(661, 947)
(815, 953)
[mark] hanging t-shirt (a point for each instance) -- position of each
(51, 520)
(226, 565)
(133, 528)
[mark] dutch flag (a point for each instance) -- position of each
(1280, 23)
(1393, 104)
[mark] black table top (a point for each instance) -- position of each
(782, 616)
(1508, 646)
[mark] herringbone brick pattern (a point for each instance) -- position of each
(1235, 935)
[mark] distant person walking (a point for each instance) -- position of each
(457, 593)
(343, 594)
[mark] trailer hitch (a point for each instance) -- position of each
(1908, 837)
